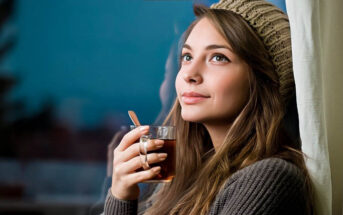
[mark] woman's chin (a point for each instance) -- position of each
(191, 117)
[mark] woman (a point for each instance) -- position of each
(235, 155)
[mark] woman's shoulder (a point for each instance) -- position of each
(272, 177)
(270, 169)
(269, 186)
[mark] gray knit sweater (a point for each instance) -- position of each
(270, 186)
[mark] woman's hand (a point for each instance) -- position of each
(110, 148)
(126, 161)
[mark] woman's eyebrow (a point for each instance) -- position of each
(209, 47)
(187, 46)
(214, 46)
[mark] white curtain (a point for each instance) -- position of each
(317, 40)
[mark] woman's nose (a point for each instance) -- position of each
(193, 74)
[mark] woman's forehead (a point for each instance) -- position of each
(204, 34)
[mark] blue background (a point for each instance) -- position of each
(96, 59)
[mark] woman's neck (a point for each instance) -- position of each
(217, 133)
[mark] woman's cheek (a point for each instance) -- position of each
(178, 85)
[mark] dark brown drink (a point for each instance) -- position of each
(167, 134)
(168, 165)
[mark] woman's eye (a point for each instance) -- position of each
(220, 58)
(186, 57)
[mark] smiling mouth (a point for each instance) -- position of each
(193, 98)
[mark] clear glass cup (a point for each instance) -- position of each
(168, 135)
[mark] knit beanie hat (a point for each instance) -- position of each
(272, 26)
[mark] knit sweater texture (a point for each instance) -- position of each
(270, 186)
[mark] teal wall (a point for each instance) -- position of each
(96, 59)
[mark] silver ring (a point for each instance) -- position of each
(143, 151)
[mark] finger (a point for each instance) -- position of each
(131, 137)
(142, 176)
(133, 150)
(116, 139)
(114, 143)
(136, 163)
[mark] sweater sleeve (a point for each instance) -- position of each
(271, 186)
(131, 207)
(114, 206)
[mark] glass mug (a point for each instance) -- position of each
(168, 135)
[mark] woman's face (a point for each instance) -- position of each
(212, 85)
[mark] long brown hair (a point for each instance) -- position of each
(256, 133)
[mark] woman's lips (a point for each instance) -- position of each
(193, 98)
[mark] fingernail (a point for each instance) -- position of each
(162, 156)
(144, 128)
(159, 143)
(156, 169)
